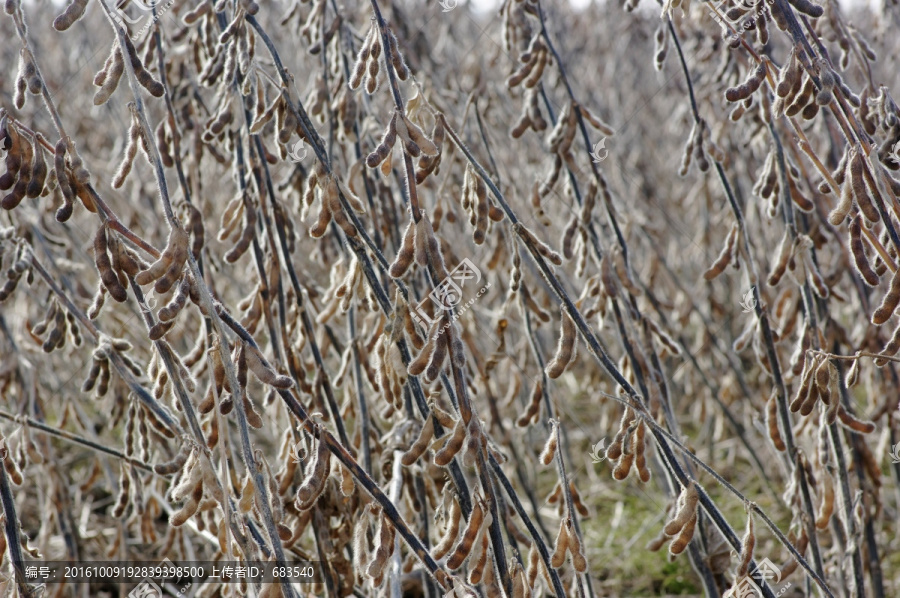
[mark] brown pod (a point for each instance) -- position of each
(546, 456)
(565, 348)
(38, 170)
(62, 178)
(857, 425)
(107, 275)
(725, 256)
(452, 445)
(772, 421)
(73, 12)
(889, 302)
(467, 541)
(111, 78)
(406, 253)
(421, 444)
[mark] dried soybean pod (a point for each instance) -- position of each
(144, 77)
(772, 422)
(396, 58)
(452, 445)
(134, 132)
(889, 302)
(113, 75)
(38, 170)
(263, 371)
(826, 506)
(856, 166)
(107, 275)
(62, 178)
(384, 147)
(73, 12)
(359, 66)
(857, 425)
(534, 405)
(560, 547)
(467, 541)
(725, 256)
(550, 446)
(684, 537)
(418, 365)
(565, 349)
(784, 253)
(842, 209)
(247, 233)
(317, 475)
(421, 443)
(189, 508)
(175, 465)
(406, 253)
(449, 537)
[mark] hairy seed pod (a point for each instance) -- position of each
(171, 310)
(406, 253)
(453, 519)
(38, 170)
(533, 242)
(851, 422)
(73, 12)
(452, 445)
(134, 132)
(180, 517)
(59, 165)
(546, 456)
(750, 85)
(725, 256)
(784, 253)
(111, 78)
(826, 504)
(421, 444)
(359, 66)
(858, 172)
(788, 77)
(534, 405)
(772, 423)
(808, 8)
(175, 465)
(247, 233)
(688, 501)
(263, 371)
(167, 269)
(889, 302)
(565, 348)
(316, 476)
(107, 275)
(396, 57)
(561, 546)
(467, 541)
(144, 77)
